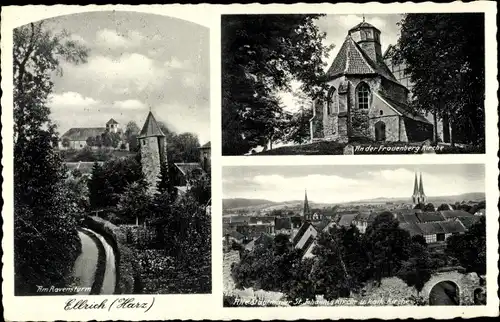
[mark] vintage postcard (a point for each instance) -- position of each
(353, 171)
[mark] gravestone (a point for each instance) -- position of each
(349, 149)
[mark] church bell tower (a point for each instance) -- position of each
(368, 38)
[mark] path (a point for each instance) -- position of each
(86, 264)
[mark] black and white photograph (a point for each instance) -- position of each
(354, 235)
(112, 172)
(317, 84)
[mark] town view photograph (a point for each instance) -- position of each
(327, 235)
(317, 84)
(112, 179)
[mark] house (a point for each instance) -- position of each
(76, 137)
(480, 212)
(452, 214)
(262, 239)
(85, 168)
(305, 239)
(362, 220)
(283, 226)
(364, 98)
(429, 217)
(347, 220)
(436, 231)
(468, 222)
(185, 170)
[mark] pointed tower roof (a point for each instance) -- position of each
(151, 127)
(421, 187)
(111, 121)
(306, 210)
(415, 186)
(352, 60)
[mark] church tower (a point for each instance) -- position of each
(153, 151)
(368, 38)
(414, 197)
(421, 193)
(418, 196)
(306, 212)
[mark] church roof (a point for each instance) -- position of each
(346, 220)
(306, 210)
(151, 127)
(362, 25)
(421, 187)
(111, 121)
(82, 133)
(186, 168)
(402, 108)
(351, 59)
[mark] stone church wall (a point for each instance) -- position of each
(392, 130)
(394, 91)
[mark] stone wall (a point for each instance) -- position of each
(392, 130)
(466, 283)
(150, 161)
(228, 259)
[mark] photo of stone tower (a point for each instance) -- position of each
(153, 149)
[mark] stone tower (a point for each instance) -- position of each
(153, 151)
(368, 38)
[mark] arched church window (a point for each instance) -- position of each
(363, 96)
(332, 102)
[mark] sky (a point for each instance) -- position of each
(343, 183)
(336, 28)
(137, 62)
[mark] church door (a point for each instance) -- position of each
(380, 131)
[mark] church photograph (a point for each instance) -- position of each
(112, 155)
(358, 235)
(349, 84)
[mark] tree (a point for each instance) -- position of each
(444, 57)
(443, 206)
(340, 262)
(428, 207)
(65, 142)
(416, 271)
(134, 203)
(184, 148)
(470, 248)
(46, 242)
(109, 181)
(131, 133)
(387, 246)
(91, 141)
(261, 55)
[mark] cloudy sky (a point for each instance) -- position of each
(342, 183)
(137, 61)
(336, 28)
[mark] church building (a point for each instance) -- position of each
(418, 196)
(364, 99)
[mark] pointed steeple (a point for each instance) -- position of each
(415, 186)
(151, 127)
(421, 188)
(306, 212)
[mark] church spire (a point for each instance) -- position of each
(421, 189)
(306, 212)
